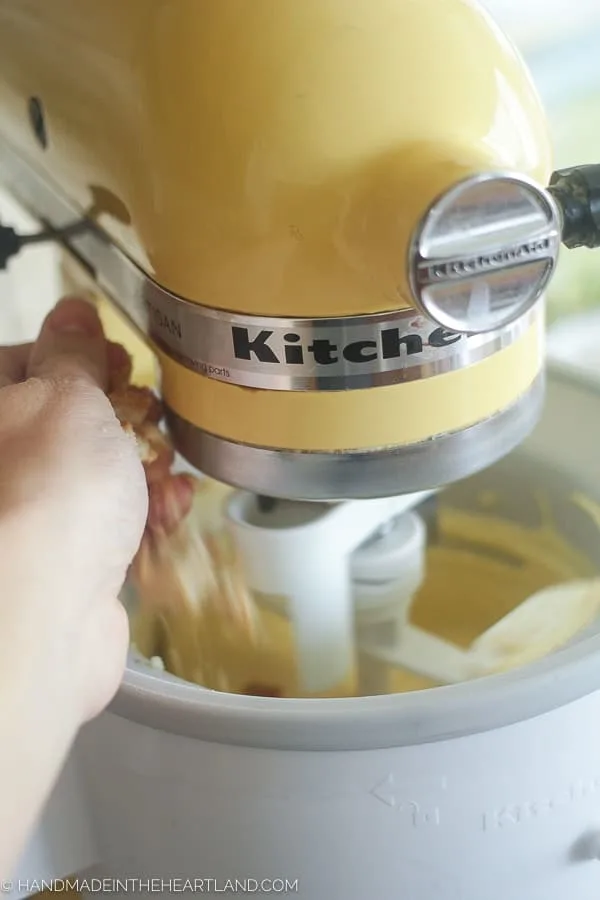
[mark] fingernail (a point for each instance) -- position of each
(75, 316)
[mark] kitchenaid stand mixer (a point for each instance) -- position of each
(331, 222)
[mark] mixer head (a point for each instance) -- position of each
(334, 232)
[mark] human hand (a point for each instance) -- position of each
(73, 505)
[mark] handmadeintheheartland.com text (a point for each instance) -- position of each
(158, 885)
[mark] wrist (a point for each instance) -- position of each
(35, 739)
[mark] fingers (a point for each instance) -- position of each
(13, 363)
(71, 344)
(119, 367)
(170, 502)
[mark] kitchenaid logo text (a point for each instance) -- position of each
(391, 344)
(520, 813)
(485, 262)
(338, 354)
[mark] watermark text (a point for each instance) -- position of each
(154, 885)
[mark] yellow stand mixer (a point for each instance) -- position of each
(334, 222)
(329, 219)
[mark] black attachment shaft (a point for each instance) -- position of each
(577, 193)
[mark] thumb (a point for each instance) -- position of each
(71, 344)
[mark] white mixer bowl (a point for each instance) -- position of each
(487, 790)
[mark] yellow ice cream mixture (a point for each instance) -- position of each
(479, 568)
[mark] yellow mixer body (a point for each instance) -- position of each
(275, 159)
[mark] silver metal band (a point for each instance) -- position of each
(275, 354)
(341, 354)
(356, 476)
